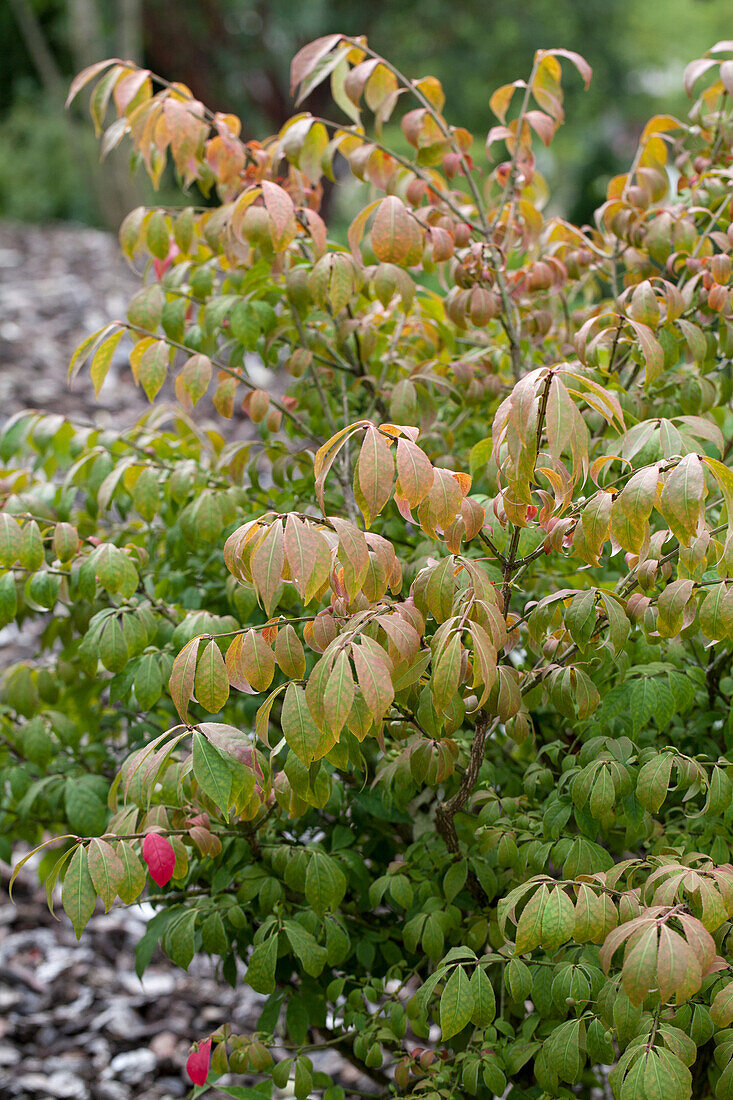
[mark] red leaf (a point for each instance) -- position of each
(161, 859)
(197, 1066)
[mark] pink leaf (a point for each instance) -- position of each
(197, 1066)
(159, 855)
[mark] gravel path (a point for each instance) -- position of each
(58, 284)
(75, 1021)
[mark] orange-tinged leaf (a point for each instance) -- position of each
(289, 653)
(194, 378)
(671, 607)
(212, 683)
(432, 89)
(414, 472)
(267, 566)
(442, 503)
(308, 557)
(542, 124)
(579, 61)
(353, 554)
(638, 975)
(183, 676)
(374, 680)
(307, 58)
(88, 74)
(716, 613)
(502, 97)
(262, 718)
(484, 664)
(721, 1010)
(395, 232)
(153, 367)
(234, 662)
(374, 474)
(357, 227)
(326, 454)
(632, 507)
(258, 660)
(280, 207)
(678, 970)
(682, 498)
(724, 477)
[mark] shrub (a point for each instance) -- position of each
(440, 746)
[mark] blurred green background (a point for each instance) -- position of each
(234, 55)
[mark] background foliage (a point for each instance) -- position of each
(234, 55)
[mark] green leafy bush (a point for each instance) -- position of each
(440, 744)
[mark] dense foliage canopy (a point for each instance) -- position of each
(438, 746)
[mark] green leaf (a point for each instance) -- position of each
(211, 772)
(178, 939)
(529, 927)
(11, 539)
(261, 969)
(446, 673)
(85, 811)
(299, 729)
(132, 882)
(456, 1003)
(652, 782)
(148, 681)
(484, 1001)
(563, 1050)
(454, 879)
(310, 954)
(325, 883)
(78, 896)
(338, 695)
(102, 359)
(106, 870)
(212, 681)
(558, 920)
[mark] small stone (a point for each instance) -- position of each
(155, 984)
(120, 1021)
(171, 1087)
(110, 1090)
(9, 1056)
(132, 1066)
(61, 1085)
(164, 1046)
